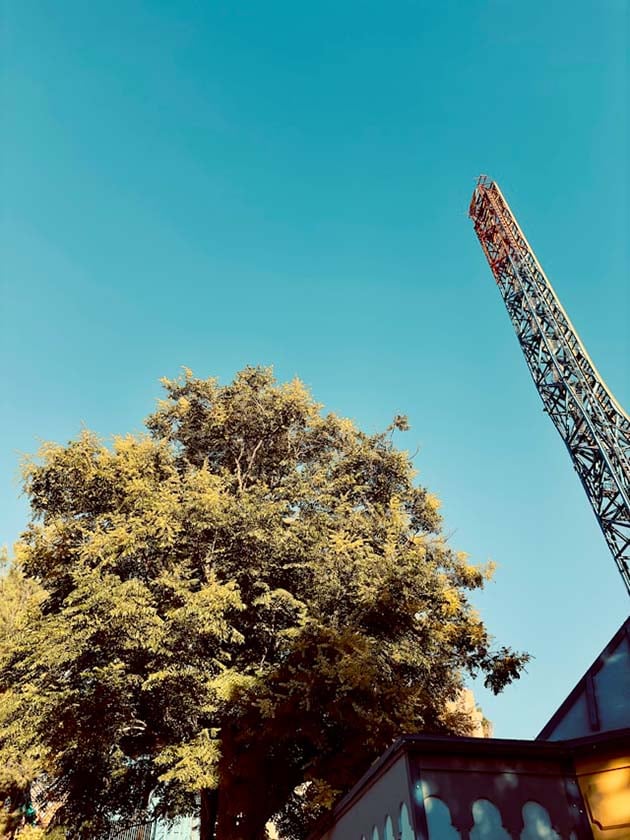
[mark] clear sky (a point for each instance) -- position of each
(216, 184)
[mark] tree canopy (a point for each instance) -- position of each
(247, 603)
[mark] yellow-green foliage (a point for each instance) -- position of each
(251, 597)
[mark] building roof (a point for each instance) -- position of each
(601, 699)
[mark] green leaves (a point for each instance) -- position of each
(191, 764)
(253, 598)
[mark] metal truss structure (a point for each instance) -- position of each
(594, 427)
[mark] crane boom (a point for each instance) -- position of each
(594, 427)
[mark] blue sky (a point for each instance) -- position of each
(221, 184)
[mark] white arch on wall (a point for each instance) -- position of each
(439, 820)
(388, 829)
(405, 829)
(488, 822)
(537, 823)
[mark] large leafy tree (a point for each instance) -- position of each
(246, 606)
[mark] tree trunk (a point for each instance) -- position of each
(247, 827)
(208, 816)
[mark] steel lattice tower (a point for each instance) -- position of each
(594, 427)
